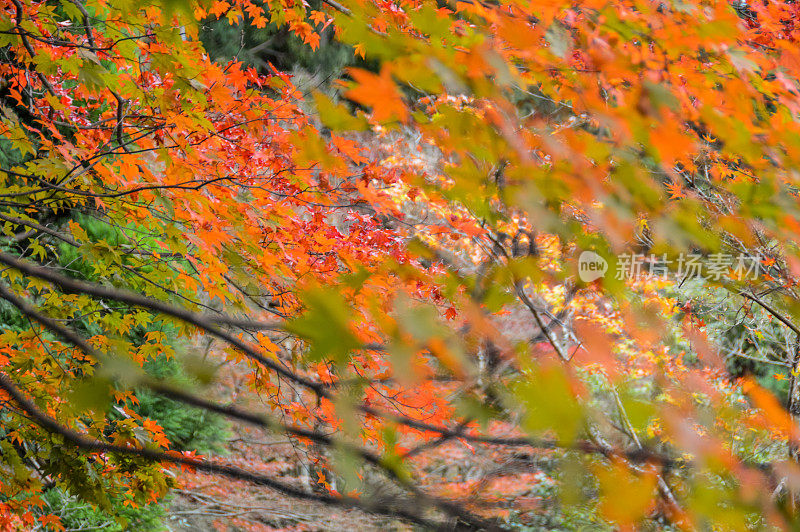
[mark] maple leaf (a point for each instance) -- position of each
(360, 50)
(318, 17)
(378, 92)
(52, 521)
(675, 191)
(220, 8)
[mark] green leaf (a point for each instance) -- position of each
(325, 325)
(336, 116)
(93, 394)
(550, 404)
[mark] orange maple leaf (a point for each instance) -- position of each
(220, 8)
(318, 17)
(52, 521)
(360, 49)
(378, 92)
(675, 191)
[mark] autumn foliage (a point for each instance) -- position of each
(389, 266)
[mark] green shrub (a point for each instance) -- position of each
(186, 428)
(78, 515)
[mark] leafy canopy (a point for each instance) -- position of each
(395, 264)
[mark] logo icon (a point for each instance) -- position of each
(591, 266)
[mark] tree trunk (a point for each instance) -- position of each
(793, 405)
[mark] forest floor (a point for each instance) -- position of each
(203, 502)
(211, 503)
